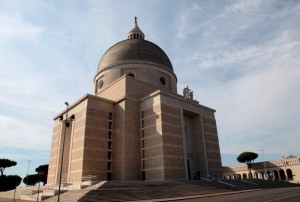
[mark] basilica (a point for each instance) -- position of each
(136, 126)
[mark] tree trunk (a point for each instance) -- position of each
(250, 168)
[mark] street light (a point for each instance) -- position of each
(39, 174)
(29, 161)
(264, 162)
(66, 124)
(284, 162)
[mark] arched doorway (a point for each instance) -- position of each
(244, 176)
(233, 176)
(289, 174)
(275, 173)
(239, 176)
(262, 175)
(282, 175)
(255, 175)
(269, 175)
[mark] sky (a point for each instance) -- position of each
(241, 58)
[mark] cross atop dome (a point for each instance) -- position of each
(135, 32)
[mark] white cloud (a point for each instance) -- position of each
(14, 26)
(214, 59)
(20, 133)
(251, 78)
(240, 58)
(243, 6)
(259, 109)
(246, 56)
(188, 14)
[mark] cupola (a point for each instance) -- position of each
(135, 32)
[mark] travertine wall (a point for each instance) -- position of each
(132, 155)
(199, 147)
(212, 146)
(54, 153)
(72, 164)
(184, 154)
(172, 143)
(99, 123)
(118, 142)
(114, 91)
(132, 130)
(151, 139)
(86, 140)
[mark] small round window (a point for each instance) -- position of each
(131, 74)
(100, 84)
(163, 81)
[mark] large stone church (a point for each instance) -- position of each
(135, 126)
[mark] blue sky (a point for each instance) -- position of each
(239, 57)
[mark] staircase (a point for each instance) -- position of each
(137, 190)
(74, 195)
(143, 190)
(35, 193)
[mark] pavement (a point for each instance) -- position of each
(11, 200)
(195, 195)
(290, 194)
(198, 196)
(164, 199)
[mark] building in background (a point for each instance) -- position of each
(136, 126)
(282, 169)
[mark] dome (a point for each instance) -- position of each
(134, 50)
(137, 58)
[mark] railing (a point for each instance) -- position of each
(76, 184)
(32, 191)
(51, 190)
(29, 191)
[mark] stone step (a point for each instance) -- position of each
(138, 190)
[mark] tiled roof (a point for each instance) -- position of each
(131, 50)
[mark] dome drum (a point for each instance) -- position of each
(144, 72)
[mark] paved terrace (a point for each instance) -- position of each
(137, 190)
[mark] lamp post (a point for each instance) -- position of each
(264, 162)
(39, 174)
(284, 162)
(66, 122)
(29, 161)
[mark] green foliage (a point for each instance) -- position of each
(43, 169)
(31, 179)
(9, 182)
(6, 163)
(248, 158)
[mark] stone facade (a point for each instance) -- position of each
(281, 169)
(136, 126)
